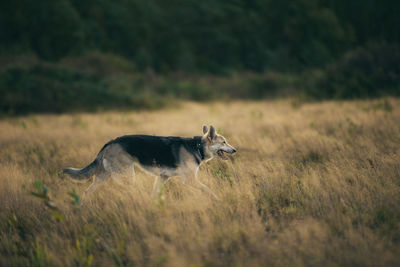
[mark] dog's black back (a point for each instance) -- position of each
(159, 150)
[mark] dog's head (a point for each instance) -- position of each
(216, 144)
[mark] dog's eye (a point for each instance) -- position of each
(224, 142)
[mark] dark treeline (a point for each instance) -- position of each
(67, 55)
(199, 36)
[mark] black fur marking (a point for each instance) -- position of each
(159, 150)
(200, 144)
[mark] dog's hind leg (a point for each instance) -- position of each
(113, 169)
(96, 183)
(99, 180)
(116, 161)
(118, 166)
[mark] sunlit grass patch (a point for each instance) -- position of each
(313, 185)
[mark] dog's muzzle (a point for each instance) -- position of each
(221, 153)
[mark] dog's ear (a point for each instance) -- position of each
(205, 129)
(211, 133)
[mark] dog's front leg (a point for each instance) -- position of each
(205, 188)
(159, 182)
(192, 181)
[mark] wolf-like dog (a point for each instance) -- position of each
(161, 156)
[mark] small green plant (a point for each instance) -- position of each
(352, 126)
(76, 200)
(23, 124)
(83, 257)
(38, 255)
(297, 102)
(160, 201)
(78, 122)
(312, 157)
(42, 193)
(161, 261)
(257, 114)
(384, 105)
(222, 175)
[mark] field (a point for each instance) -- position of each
(314, 184)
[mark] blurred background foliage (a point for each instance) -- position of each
(66, 55)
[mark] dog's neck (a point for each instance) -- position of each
(200, 150)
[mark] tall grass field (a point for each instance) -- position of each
(314, 184)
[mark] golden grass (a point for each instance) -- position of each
(312, 185)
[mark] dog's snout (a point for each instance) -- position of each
(234, 150)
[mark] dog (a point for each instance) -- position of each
(163, 157)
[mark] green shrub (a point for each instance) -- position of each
(367, 72)
(187, 89)
(52, 88)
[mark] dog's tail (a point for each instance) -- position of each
(85, 172)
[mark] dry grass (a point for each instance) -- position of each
(311, 185)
